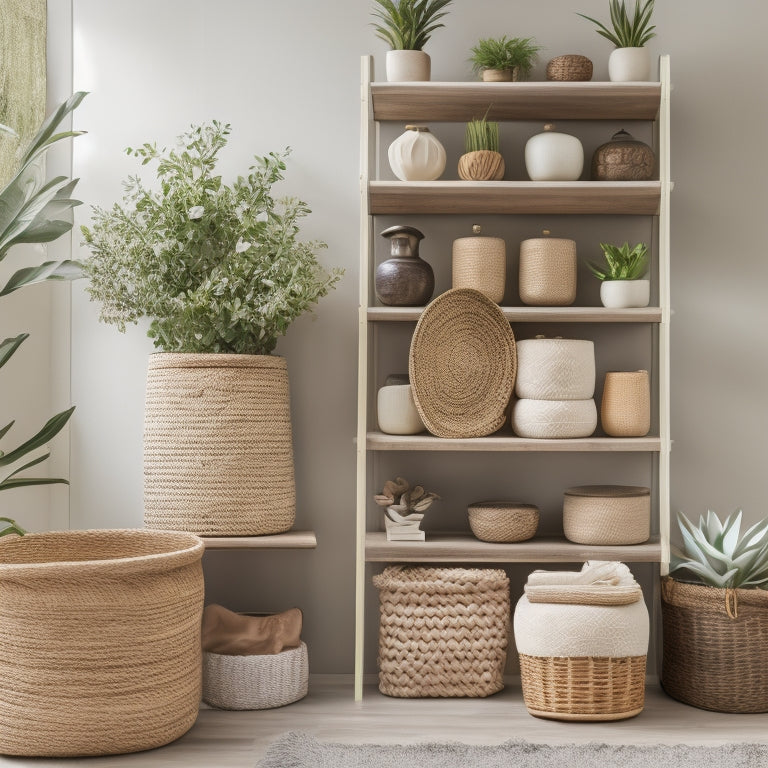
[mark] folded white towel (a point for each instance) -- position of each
(598, 582)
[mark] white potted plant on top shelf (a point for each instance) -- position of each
(407, 25)
(622, 275)
(631, 61)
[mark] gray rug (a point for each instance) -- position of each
(299, 750)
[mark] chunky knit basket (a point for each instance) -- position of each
(99, 641)
(218, 452)
(443, 631)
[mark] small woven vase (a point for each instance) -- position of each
(625, 410)
(483, 165)
(480, 263)
(548, 271)
(571, 66)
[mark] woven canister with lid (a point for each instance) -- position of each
(548, 271)
(625, 410)
(607, 514)
(480, 262)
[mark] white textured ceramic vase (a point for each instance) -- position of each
(553, 156)
(626, 65)
(624, 294)
(554, 419)
(397, 411)
(555, 369)
(416, 155)
(408, 66)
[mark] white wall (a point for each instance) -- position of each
(287, 74)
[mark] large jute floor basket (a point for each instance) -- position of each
(218, 452)
(443, 631)
(715, 646)
(99, 641)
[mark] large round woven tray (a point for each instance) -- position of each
(462, 365)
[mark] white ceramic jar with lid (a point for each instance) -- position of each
(417, 155)
(554, 156)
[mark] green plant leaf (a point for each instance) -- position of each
(8, 526)
(49, 270)
(7, 348)
(49, 430)
(47, 135)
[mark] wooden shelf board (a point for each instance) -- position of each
(379, 441)
(465, 548)
(639, 198)
(535, 314)
(460, 102)
(289, 540)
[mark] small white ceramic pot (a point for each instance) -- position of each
(555, 369)
(552, 156)
(554, 419)
(416, 155)
(397, 411)
(627, 65)
(623, 294)
(408, 66)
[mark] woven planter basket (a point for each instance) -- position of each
(481, 165)
(99, 641)
(443, 631)
(571, 66)
(256, 681)
(714, 660)
(503, 521)
(218, 452)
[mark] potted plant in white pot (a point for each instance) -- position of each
(715, 616)
(406, 26)
(631, 61)
(221, 273)
(504, 59)
(622, 275)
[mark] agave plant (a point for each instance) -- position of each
(407, 25)
(716, 553)
(621, 262)
(627, 33)
(35, 211)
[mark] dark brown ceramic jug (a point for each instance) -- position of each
(404, 279)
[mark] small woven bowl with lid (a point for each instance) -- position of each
(503, 521)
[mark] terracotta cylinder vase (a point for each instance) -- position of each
(625, 410)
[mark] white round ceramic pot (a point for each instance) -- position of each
(417, 155)
(555, 369)
(627, 65)
(554, 419)
(397, 411)
(553, 156)
(408, 66)
(623, 294)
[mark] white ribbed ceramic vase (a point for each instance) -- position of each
(627, 65)
(553, 156)
(416, 155)
(555, 369)
(397, 411)
(408, 66)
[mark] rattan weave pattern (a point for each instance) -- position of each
(462, 365)
(607, 515)
(99, 641)
(503, 521)
(480, 263)
(571, 66)
(218, 452)
(711, 660)
(547, 274)
(625, 410)
(443, 631)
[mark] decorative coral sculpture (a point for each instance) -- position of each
(405, 509)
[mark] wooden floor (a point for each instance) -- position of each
(222, 739)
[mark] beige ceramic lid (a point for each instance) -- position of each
(608, 491)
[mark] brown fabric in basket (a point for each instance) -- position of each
(234, 634)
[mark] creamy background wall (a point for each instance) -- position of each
(288, 74)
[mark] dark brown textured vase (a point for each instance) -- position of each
(404, 279)
(623, 158)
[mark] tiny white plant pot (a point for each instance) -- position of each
(623, 294)
(408, 66)
(397, 412)
(629, 65)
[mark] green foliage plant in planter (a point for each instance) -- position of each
(406, 26)
(622, 275)
(504, 59)
(481, 160)
(221, 273)
(631, 60)
(34, 210)
(715, 616)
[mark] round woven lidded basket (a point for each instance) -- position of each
(218, 450)
(571, 66)
(548, 271)
(503, 521)
(442, 631)
(625, 410)
(715, 646)
(255, 681)
(462, 365)
(480, 262)
(99, 641)
(607, 514)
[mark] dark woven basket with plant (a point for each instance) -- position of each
(716, 621)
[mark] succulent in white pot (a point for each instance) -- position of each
(407, 25)
(631, 60)
(622, 276)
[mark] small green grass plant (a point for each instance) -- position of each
(505, 53)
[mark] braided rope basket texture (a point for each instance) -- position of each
(548, 271)
(443, 631)
(462, 365)
(255, 681)
(218, 451)
(571, 66)
(503, 521)
(714, 660)
(480, 263)
(99, 641)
